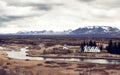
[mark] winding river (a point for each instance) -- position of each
(22, 55)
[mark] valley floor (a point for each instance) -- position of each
(11, 66)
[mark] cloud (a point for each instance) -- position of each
(52, 14)
(45, 7)
(8, 18)
(106, 4)
(86, 0)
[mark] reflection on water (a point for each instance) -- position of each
(102, 61)
(3, 48)
(22, 55)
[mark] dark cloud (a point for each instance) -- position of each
(38, 6)
(106, 4)
(4, 19)
(86, 0)
(45, 7)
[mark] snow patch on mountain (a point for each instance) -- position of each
(96, 30)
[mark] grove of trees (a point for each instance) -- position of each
(113, 47)
(90, 43)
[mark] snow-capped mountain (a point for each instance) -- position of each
(89, 31)
(44, 32)
(96, 30)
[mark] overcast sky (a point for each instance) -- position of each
(57, 15)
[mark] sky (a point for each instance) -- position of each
(57, 15)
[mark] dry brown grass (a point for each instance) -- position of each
(10, 66)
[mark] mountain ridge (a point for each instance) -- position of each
(96, 31)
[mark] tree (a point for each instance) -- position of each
(82, 45)
(101, 47)
(113, 48)
(90, 43)
(110, 46)
(94, 44)
(118, 48)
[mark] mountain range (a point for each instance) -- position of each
(89, 31)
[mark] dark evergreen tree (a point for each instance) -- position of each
(110, 46)
(101, 47)
(113, 48)
(94, 44)
(118, 48)
(82, 45)
(90, 43)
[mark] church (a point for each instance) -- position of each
(91, 49)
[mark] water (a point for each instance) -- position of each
(2, 48)
(22, 55)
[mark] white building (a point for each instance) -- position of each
(41, 45)
(91, 49)
(65, 47)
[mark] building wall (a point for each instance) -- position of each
(91, 49)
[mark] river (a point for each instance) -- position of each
(22, 55)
